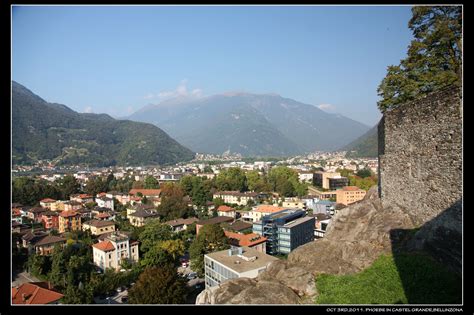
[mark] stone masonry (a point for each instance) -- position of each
(420, 155)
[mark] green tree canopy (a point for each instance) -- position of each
(211, 238)
(232, 178)
(434, 57)
(158, 285)
(151, 182)
(173, 205)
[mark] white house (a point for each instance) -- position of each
(115, 248)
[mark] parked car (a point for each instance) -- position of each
(192, 275)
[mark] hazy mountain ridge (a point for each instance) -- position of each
(364, 146)
(282, 126)
(42, 130)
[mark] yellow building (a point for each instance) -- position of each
(349, 194)
(69, 221)
(98, 227)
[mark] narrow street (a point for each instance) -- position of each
(23, 277)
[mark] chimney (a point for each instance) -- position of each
(23, 297)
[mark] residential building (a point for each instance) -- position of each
(338, 182)
(36, 213)
(105, 202)
(259, 211)
(47, 203)
(325, 195)
(82, 198)
(30, 238)
(121, 197)
(98, 227)
(69, 221)
(252, 240)
(305, 177)
(321, 223)
(140, 217)
(145, 192)
(137, 207)
(285, 230)
(238, 198)
(85, 213)
(45, 245)
(181, 224)
(234, 263)
(325, 207)
(35, 293)
(71, 205)
(350, 194)
(115, 248)
(216, 220)
(50, 220)
(226, 211)
(294, 202)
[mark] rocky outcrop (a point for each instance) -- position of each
(356, 237)
(248, 291)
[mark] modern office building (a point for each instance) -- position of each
(234, 263)
(285, 230)
(330, 180)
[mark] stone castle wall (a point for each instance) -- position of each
(420, 155)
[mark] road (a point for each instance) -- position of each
(23, 277)
(115, 299)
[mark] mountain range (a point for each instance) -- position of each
(42, 130)
(364, 146)
(250, 124)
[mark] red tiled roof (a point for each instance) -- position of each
(145, 192)
(104, 246)
(249, 240)
(47, 200)
(268, 208)
(225, 208)
(34, 294)
(103, 215)
(68, 213)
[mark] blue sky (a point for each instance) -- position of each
(117, 59)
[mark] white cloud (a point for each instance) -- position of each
(149, 96)
(326, 107)
(180, 91)
(88, 109)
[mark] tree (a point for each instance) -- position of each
(151, 182)
(68, 186)
(173, 205)
(153, 232)
(365, 172)
(284, 180)
(95, 185)
(434, 57)
(211, 238)
(207, 169)
(158, 285)
(232, 178)
(256, 182)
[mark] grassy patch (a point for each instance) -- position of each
(405, 278)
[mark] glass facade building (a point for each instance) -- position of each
(285, 230)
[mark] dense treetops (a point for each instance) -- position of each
(434, 57)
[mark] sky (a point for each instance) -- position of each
(118, 59)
